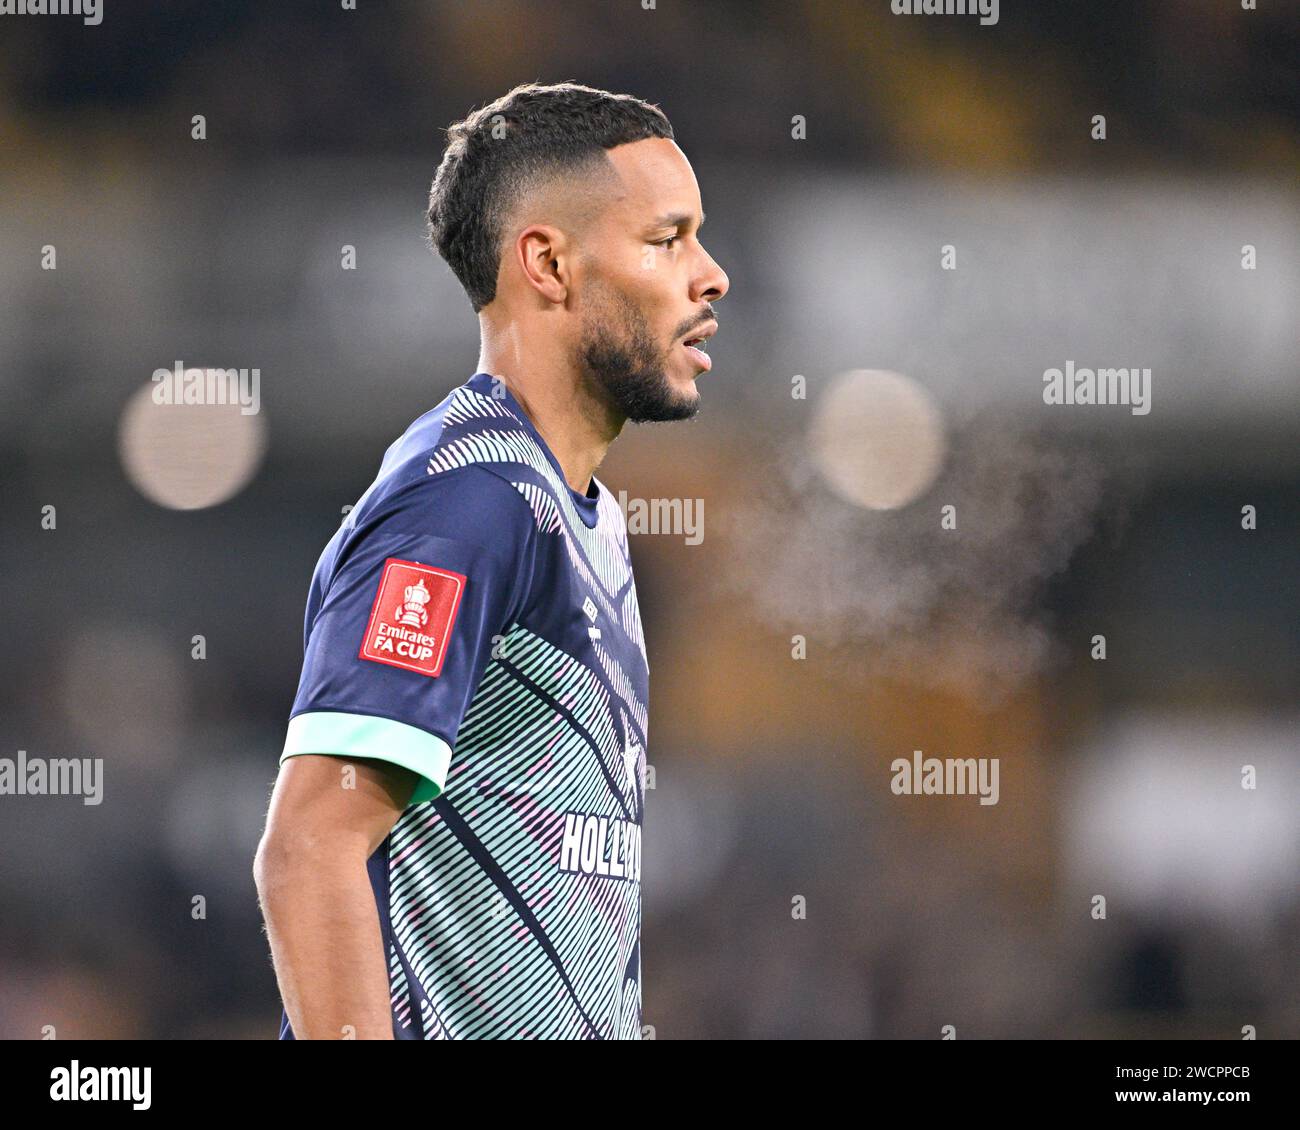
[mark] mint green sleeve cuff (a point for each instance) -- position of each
(380, 739)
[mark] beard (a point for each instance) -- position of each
(625, 368)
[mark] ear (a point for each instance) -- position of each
(543, 253)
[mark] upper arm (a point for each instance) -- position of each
(347, 806)
(407, 625)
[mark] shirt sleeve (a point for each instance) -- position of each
(422, 591)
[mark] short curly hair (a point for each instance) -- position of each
(523, 138)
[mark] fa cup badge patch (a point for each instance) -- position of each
(411, 619)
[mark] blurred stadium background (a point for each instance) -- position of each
(1119, 777)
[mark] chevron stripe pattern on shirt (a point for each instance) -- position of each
(505, 944)
(514, 902)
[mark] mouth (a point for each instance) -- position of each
(695, 346)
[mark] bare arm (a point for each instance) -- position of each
(316, 897)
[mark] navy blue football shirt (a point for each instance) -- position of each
(475, 620)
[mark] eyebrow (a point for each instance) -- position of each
(676, 220)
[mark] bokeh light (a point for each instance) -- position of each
(189, 456)
(877, 438)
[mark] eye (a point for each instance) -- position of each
(666, 242)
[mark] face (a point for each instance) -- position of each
(646, 286)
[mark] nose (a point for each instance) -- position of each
(711, 283)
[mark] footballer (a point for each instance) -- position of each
(453, 845)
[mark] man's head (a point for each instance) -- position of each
(572, 211)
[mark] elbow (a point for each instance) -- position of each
(273, 864)
(287, 857)
(262, 867)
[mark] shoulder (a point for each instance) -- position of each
(471, 503)
(480, 431)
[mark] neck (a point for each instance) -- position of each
(576, 423)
